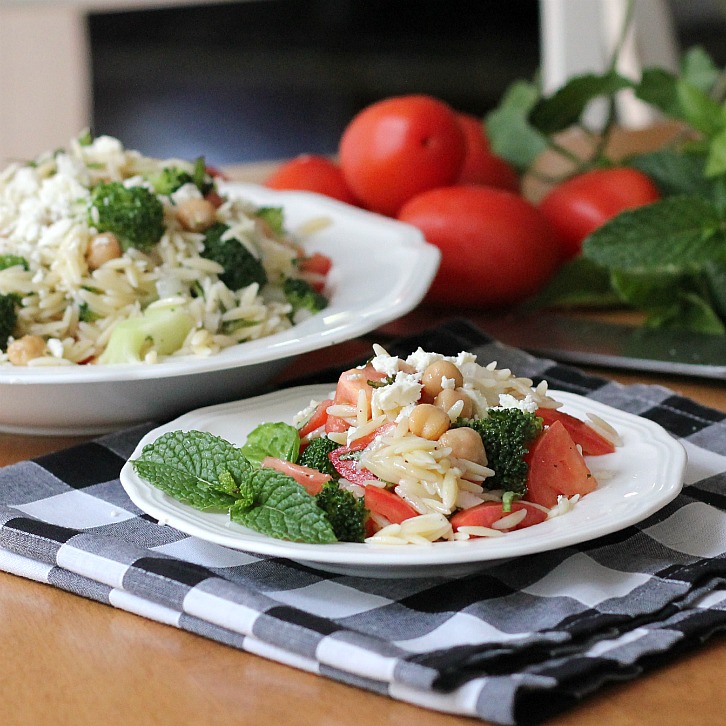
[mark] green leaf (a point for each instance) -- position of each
(658, 88)
(510, 134)
(579, 282)
(675, 172)
(698, 69)
(715, 279)
(716, 162)
(281, 508)
(698, 109)
(280, 440)
(647, 291)
(188, 465)
(691, 312)
(680, 234)
(565, 107)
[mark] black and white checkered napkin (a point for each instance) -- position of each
(514, 643)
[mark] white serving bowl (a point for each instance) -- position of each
(381, 270)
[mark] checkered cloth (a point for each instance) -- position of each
(515, 642)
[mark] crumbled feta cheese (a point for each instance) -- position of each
(527, 404)
(405, 390)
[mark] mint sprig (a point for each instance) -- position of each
(281, 508)
(207, 472)
(188, 466)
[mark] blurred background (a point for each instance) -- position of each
(266, 79)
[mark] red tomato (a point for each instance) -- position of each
(318, 418)
(354, 380)
(312, 173)
(486, 514)
(590, 441)
(350, 468)
(311, 479)
(556, 467)
(585, 202)
(317, 263)
(399, 147)
(496, 247)
(388, 504)
(481, 166)
(314, 269)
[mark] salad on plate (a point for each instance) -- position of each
(419, 450)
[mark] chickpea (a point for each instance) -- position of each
(434, 374)
(196, 215)
(450, 397)
(465, 443)
(428, 421)
(103, 247)
(24, 349)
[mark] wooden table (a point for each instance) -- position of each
(68, 661)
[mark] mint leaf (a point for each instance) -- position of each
(716, 162)
(672, 235)
(280, 440)
(649, 291)
(715, 276)
(188, 466)
(699, 109)
(579, 282)
(510, 134)
(675, 172)
(281, 508)
(689, 311)
(564, 108)
(658, 88)
(698, 69)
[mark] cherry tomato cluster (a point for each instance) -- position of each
(417, 159)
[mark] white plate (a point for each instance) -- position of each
(381, 270)
(644, 474)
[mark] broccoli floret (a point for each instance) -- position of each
(506, 433)
(162, 329)
(241, 267)
(133, 214)
(315, 455)
(171, 178)
(303, 297)
(8, 318)
(346, 512)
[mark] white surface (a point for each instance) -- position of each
(381, 270)
(646, 473)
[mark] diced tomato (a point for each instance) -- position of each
(349, 468)
(354, 380)
(317, 263)
(335, 424)
(591, 442)
(556, 466)
(311, 479)
(486, 514)
(388, 504)
(318, 418)
(362, 442)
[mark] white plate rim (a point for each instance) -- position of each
(587, 520)
(322, 330)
